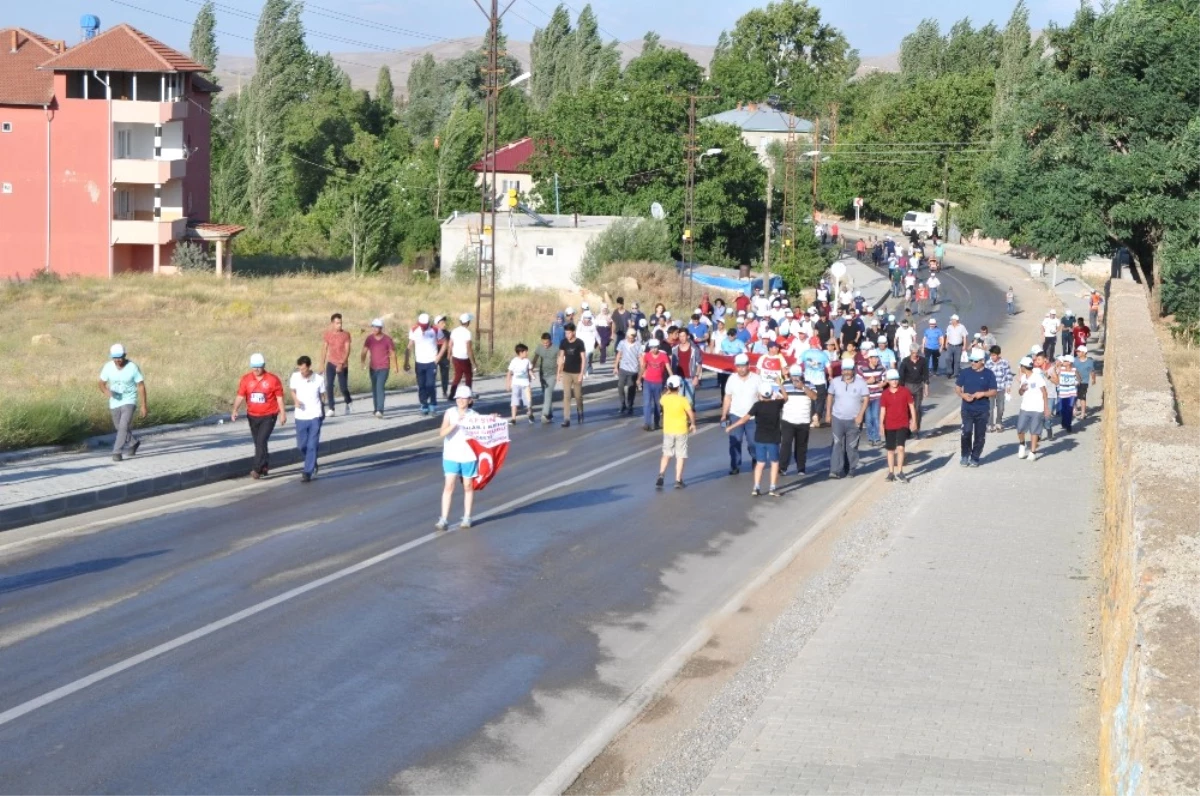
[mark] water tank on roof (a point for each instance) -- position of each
(89, 24)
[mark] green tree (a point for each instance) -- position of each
(670, 68)
(783, 49)
(229, 167)
(1016, 72)
(922, 52)
(385, 91)
(203, 43)
(591, 61)
(549, 57)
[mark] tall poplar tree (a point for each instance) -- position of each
(550, 57)
(203, 44)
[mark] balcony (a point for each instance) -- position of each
(140, 231)
(147, 172)
(149, 112)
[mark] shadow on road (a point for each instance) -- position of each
(54, 574)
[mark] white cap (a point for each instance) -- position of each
(464, 318)
(666, 313)
(979, 335)
(584, 306)
(117, 351)
(891, 317)
(377, 323)
(977, 355)
(439, 318)
(741, 319)
(741, 359)
(697, 311)
(652, 342)
(741, 313)
(954, 317)
(795, 370)
(857, 293)
(789, 313)
(868, 310)
(588, 314)
(933, 321)
(882, 338)
(1064, 357)
(764, 389)
(423, 318)
(258, 361)
(569, 311)
(892, 374)
(463, 391)
(674, 382)
(631, 332)
(1052, 312)
(1081, 349)
(847, 362)
(1027, 362)
(642, 323)
(751, 314)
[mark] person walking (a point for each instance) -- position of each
(1095, 305)
(423, 343)
(462, 354)
(767, 414)
(797, 420)
(956, 337)
(629, 365)
(1010, 301)
(679, 420)
(653, 371)
(1050, 333)
(572, 353)
(544, 354)
(335, 361)
(557, 335)
(1000, 368)
(741, 391)
(517, 382)
(459, 462)
(308, 397)
(935, 344)
(382, 352)
(622, 321)
(976, 386)
(1034, 407)
(123, 384)
(262, 394)
(1085, 368)
(1068, 384)
(898, 416)
(817, 365)
(604, 328)
(844, 413)
(443, 360)
(872, 372)
(914, 377)
(686, 359)
(933, 283)
(590, 337)
(730, 345)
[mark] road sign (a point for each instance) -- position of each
(858, 202)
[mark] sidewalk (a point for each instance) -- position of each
(61, 484)
(959, 660)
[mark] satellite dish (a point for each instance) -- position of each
(657, 212)
(838, 269)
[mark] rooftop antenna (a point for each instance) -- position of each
(89, 24)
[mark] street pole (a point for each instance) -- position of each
(767, 233)
(945, 230)
(687, 249)
(557, 211)
(816, 165)
(856, 215)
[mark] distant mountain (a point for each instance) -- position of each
(363, 68)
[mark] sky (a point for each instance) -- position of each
(874, 27)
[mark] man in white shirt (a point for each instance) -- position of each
(761, 303)
(1035, 407)
(796, 421)
(462, 353)
(308, 396)
(956, 338)
(933, 283)
(1050, 326)
(423, 343)
(741, 393)
(906, 338)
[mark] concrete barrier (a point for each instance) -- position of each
(1150, 613)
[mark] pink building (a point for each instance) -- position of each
(104, 155)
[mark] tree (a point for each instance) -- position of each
(670, 68)
(921, 52)
(782, 49)
(203, 43)
(549, 57)
(1016, 72)
(385, 92)
(591, 61)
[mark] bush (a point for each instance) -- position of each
(191, 257)
(628, 239)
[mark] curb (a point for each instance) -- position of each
(104, 497)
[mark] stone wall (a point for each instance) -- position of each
(1150, 622)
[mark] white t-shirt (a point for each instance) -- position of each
(845, 297)
(905, 337)
(519, 368)
(1032, 399)
(588, 335)
(910, 281)
(458, 343)
(956, 334)
(933, 282)
(1050, 327)
(308, 392)
(455, 447)
(761, 304)
(798, 409)
(424, 344)
(742, 392)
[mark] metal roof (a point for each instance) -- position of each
(760, 119)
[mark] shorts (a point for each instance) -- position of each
(1081, 391)
(767, 452)
(465, 469)
(518, 395)
(895, 437)
(1030, 422)
(675, 445)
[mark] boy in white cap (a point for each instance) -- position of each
(678, 421)
(898, 416)
(423, 342)
(382, 352)
(122, 383)
(262, 393)
(458, 459)
(1034, 407)
(462, 353)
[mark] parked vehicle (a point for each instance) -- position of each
(924, 223)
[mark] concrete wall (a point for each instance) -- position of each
(517, 260)
(1150, 616)
(81, 186)
(23, 212)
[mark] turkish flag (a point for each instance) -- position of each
(723, 363)
(489, 459)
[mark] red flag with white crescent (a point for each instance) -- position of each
(723, 363)
(488, 459)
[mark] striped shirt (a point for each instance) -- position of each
(1068, 382)
(874, 379)
(1002, 371)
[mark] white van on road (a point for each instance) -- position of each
(923, 223)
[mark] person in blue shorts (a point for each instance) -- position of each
(458, 460)
(767, 414)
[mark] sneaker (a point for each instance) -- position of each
(1021, 454)
(547, 420)
(963, 461)
(117, 457)
(531, 419)
(512, 421)
(566, 424)
(973, 463)
(902, 478)
(305, 477)
(579, 418)
(254, 474)
(441, 525)
(734, 470)
(347, 410)
(465, 523)
(646, 428)
(133, 449)
(680, 485)
(773, 492)
(756, 492)
(890, 477)
(836, 475)
(379, 415)
(658, 483)
(1033, 456)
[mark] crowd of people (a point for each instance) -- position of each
(780, 370)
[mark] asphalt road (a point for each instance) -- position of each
(309, 638)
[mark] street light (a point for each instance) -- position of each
(521, 78)
(713, 151)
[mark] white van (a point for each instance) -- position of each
(923, 223)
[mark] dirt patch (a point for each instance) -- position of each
(1183, 366)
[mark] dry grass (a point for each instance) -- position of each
(1183, 362)
(192, 336)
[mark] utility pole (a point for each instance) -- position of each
(816, 166)
(688, 247)
(945, 230)
(485, 278)
(767, 232)
(790, 189)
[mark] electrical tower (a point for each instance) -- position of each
(790, 220)
(485, 284)
(688, 247)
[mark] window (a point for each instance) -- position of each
(124, 143)
(545, 251)
(124, 205)
(6, 127)
(7, 187)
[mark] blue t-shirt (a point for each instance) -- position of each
(1084, 368)
(971, 380)
(744, 336)
(122, 383)
(698, 330)
(733, 347)
(814, 361)
(933, 335)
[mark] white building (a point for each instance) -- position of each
(529, 253)
(761, 125)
